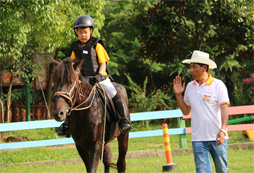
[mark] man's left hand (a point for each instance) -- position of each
(220, 136)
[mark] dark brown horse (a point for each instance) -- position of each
(75, 97)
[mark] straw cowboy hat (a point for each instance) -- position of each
(202, 58)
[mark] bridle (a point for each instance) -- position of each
(75, 91)
(70, 96)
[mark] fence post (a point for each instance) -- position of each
(39, 110)
(182, 137)
(20, 105)
(28, 117)
(14, 111)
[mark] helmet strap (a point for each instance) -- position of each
(92, 30)
(74, 29)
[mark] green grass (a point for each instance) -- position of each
(60, 153)
(33, 135)
(37, 154)
(239, 161)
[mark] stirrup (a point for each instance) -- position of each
(125, 128)
(124, 125)
(64, 132)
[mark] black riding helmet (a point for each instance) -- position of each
(83, 21)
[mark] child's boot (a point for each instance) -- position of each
(123, 123)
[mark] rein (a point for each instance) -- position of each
(71, 95)
(91, 92)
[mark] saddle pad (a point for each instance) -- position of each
(110, 114)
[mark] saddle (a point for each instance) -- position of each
(109, 104)
(111, 113)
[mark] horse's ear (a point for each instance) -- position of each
(77, 63)
(54, 61)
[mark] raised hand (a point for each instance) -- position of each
(177, 85)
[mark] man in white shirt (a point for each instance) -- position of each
(207, 99)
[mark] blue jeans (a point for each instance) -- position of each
(202, 151)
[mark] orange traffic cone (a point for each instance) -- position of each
(170, 165)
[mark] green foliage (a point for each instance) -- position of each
(244, 91)
(143, 38)
(33, 27)
(171, 30)
(20, 94)
(174, 29)
(229, 63)
(153, 67)
(119, 36)
(144, 102)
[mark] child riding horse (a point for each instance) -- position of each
(92, 53)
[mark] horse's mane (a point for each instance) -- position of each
(64, 73)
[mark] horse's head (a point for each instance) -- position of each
(65, 80)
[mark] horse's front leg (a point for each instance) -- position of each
(84, 156)
(95, 154)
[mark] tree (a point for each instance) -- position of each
(144, 102)
(171, 30)
(15, 54)
(45, 25)
(120, 38)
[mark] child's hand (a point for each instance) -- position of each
(97, 78)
